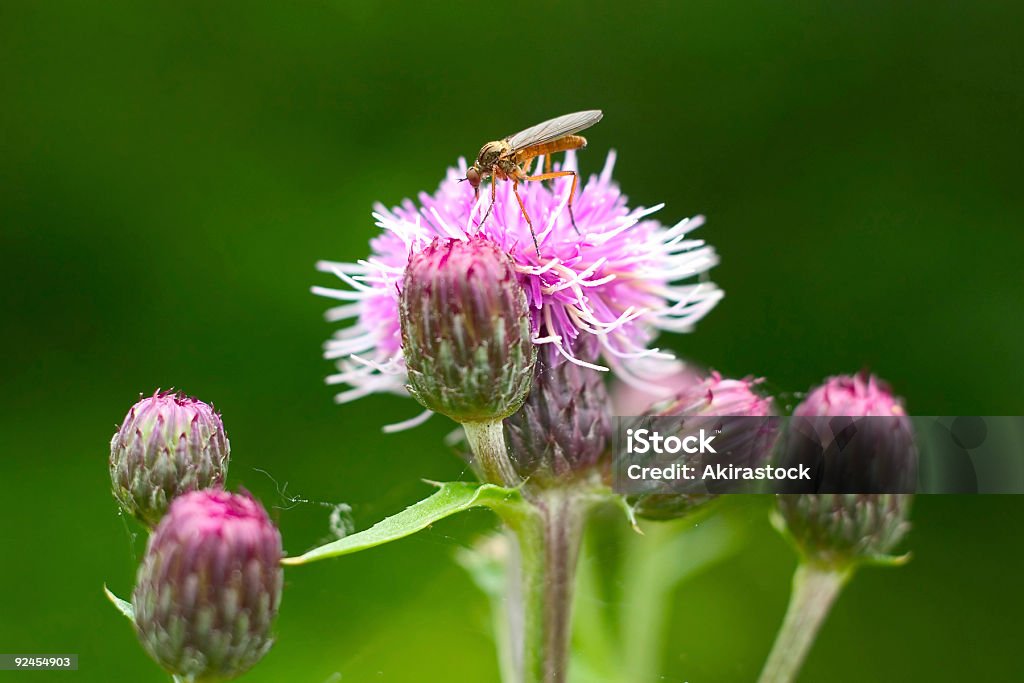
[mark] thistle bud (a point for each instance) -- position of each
(168, 444)
(743, 421)
(466, 331)
(563, 428)
(875, 459)
(715, 396)
(209, 586)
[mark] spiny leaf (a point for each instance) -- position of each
(123, 606)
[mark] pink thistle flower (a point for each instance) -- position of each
(599, 298)
(874, 455)
(628, 399)
(851, 395)
(716, 396)
(741, 416)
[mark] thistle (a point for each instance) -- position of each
(732, 407)
(209, 586)
(612, 285)
(837, 532)
(168, 444)
(466, 331)
(452, 307)
(562, 432)
(866, 466)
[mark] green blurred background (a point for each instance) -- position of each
(170, 172)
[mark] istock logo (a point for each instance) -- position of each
(641, 441)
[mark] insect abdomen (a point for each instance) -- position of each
(553, 147)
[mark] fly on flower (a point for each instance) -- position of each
(508, 159)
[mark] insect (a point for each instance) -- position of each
(509, 158)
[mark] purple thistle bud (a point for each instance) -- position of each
(564, 427)
(731, 408)
(876, 457)
(209, 586)
(168, 444)
(466, 330)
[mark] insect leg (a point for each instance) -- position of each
(522, 207)
(572, 192)
(494, 190)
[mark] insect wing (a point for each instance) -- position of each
(555, 128)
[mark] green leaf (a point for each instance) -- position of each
(628, 510)
(886, 560)
(450, 499)
(845, 563)
(123, 606)
(486, 562)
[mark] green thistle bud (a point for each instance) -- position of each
(168, 444)
(466, 331)
(562, 430)
(209, 586)
(879, 462)
(836, 528)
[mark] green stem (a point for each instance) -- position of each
(651, 576)
(501, 623)
(815, 588)
(655, 564)
(540, 593)
(595, 654)
(487, 562)
(487, 439)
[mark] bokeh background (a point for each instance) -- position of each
(170, 172)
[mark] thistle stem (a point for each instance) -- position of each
(540, 593)
(487, 439)
(651, 576)
(815, 588)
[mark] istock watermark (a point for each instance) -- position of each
(703, 454)
(718, 472)
(648, 441)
